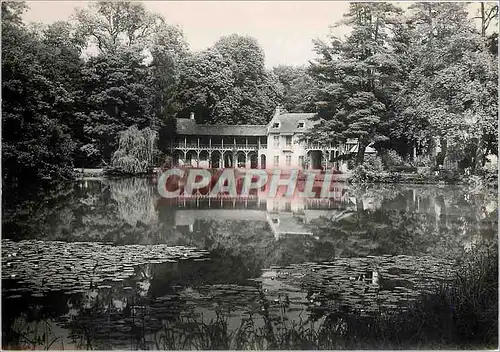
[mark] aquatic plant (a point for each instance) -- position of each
(460, 314)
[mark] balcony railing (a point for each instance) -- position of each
(215, 146)
(239, 146)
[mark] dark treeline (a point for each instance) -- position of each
(405, 80)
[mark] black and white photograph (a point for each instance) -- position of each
(249, 175)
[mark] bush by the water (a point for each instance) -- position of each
(136, 151)
(373, 170)
(368, 171)
(392, 158)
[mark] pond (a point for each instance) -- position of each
(103, 263)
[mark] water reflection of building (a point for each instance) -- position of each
(285, 216)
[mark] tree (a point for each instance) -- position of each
(487, 13)
(168, 49)
(256, 91)
(205, 86)
(299, 88)
(40, 71)
(229, 83)
(451, 89)
(117, 95)
(134, 78)
(356, 73)
(136, 150)
(110, 25)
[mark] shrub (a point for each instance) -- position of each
(368, 171)
(449, 176)
(373, 163)
(402, 168)
(392, 158)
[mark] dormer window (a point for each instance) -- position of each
(276, 125)
(301, 124)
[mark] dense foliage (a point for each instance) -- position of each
(418, 80)
(136, 151)
(421, 82)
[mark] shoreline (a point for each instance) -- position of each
(383, 178)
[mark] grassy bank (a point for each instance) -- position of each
(83, 172)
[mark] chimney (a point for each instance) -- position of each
(191, 117)
(277, 111)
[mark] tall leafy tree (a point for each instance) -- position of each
(109, 25)
(117, 96)
(256, 91)
(450, 93)
(168, 49)
(229, 83)
(299, 88)
(40, 74)
(205, 85)
(356, 73)
(119, 83)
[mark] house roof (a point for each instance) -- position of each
(190, 127)
(288, 122)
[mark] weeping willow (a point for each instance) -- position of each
(135, 200)
(136, 150)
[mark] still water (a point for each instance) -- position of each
(100, 263)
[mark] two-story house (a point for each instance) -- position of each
(275, 145)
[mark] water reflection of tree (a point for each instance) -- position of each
(240, 247)
(255, 245)
(135, 200)
(36, 212)
(415, 221)
(124, 213)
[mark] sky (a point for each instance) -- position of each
(284, 29)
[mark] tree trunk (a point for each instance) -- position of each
(360, 206)
(483, 21)
(360, 157)
(478, 155)
(442, 156)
